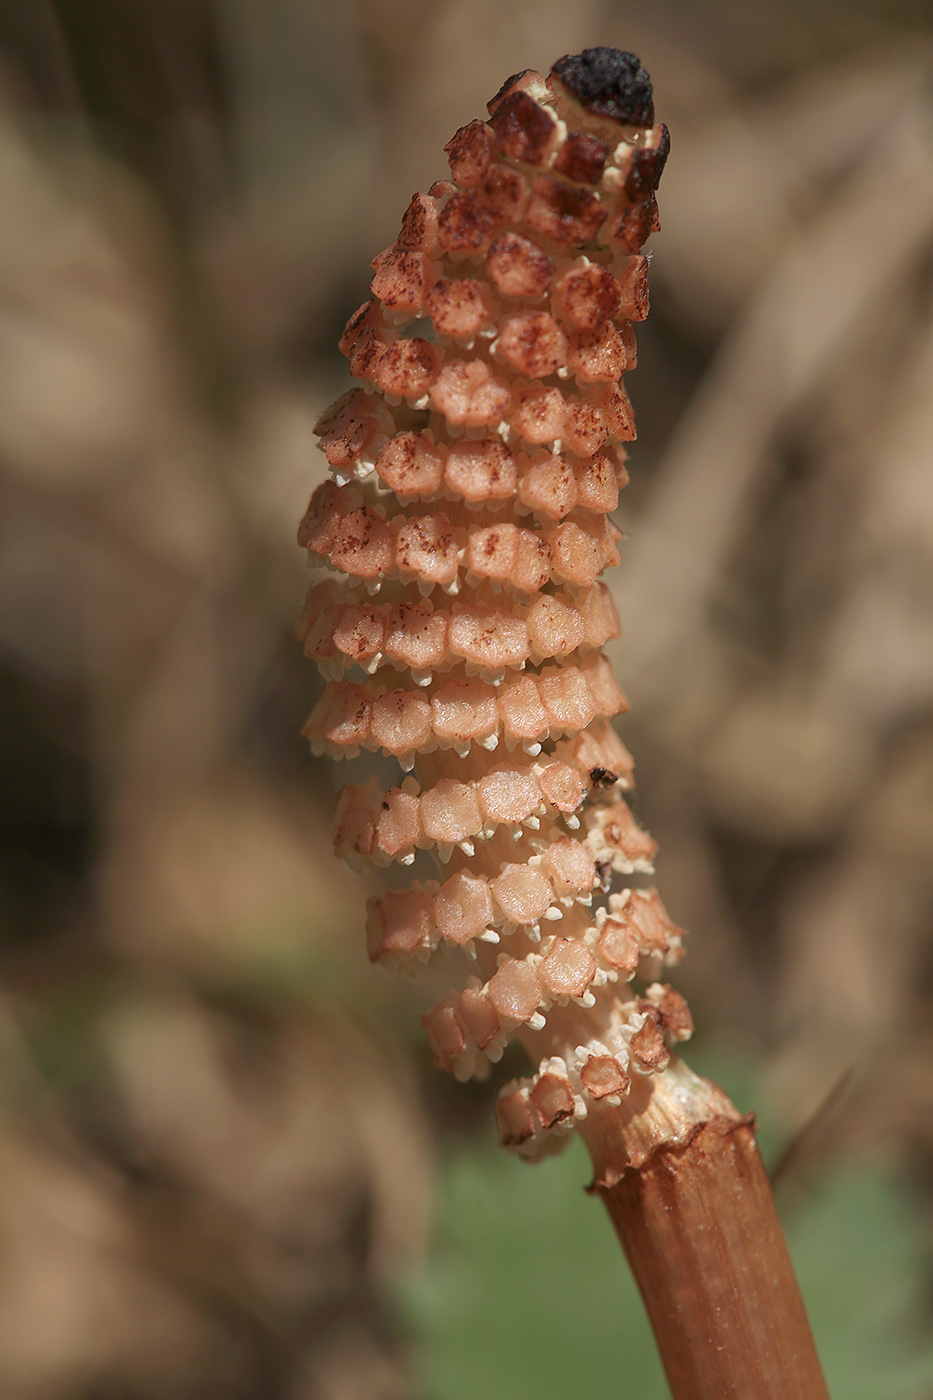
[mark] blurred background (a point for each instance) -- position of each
(228, 1170)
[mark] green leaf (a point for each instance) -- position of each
(528, 1293)
(860, 1261)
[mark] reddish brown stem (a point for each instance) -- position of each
(693, 1208)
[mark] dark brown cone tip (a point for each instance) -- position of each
(609, 82)
(507, 86)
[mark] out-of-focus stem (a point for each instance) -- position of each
(683, 1181)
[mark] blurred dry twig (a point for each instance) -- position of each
(207, 1168)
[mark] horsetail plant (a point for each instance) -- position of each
(458, 617)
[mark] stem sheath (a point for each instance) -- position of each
(696, 1218)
